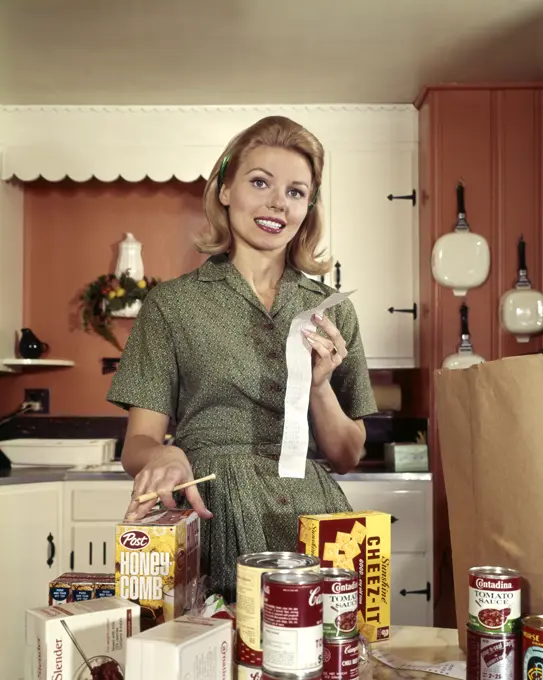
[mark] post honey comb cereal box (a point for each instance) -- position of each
(157, 564)
(100, 628)
(359, 541)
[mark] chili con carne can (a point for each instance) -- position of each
(292, 641)
(532, 647)
(249, 594)
(341, 659)
(492, 656)
(494, 600)
(340, 603)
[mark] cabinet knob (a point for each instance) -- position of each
(338, 275)
(413, 310)
(427, 591)
(51, 550)
(406, 197)
(393, 519)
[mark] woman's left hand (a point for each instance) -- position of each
(328, 352)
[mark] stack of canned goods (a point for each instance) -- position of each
(493, 630)
(309, 626)
(341, 639)
(294, 620)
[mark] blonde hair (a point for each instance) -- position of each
(303, 251)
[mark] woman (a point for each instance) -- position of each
(208, 351)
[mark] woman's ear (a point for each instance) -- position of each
(224, 196)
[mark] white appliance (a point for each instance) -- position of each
(58, 452)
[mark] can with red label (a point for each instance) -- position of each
(292, 623)
(340, 659)
(494, 599)
(532, 647)
(492, 656)
(339, 603)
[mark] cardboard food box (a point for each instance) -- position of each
(99, 627)
(79, 586)
(157, 564)
(361, 542)
(190, 647)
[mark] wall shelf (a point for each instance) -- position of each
(20, 363)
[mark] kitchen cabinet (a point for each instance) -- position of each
(11, 268)
(410, 504)
(374, 245)
(30, 536)
(92, 509)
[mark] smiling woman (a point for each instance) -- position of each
(208, 351)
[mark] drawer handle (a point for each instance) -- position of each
(393, 519)
(51, 551)
(72, 560)
(427, 591)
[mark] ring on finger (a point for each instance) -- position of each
(333, 351)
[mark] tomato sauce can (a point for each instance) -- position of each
(492, 656)
(249, 594)
(292, 626)
(339, 603)
(532, 647)
(341, 659)
(494, 600)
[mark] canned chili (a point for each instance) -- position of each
(292, 627)
(339, 603)
(340, 659)
(494, 599)
(532, 647)
(492, 656)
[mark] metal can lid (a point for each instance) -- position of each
(494, 572)
(342, 641)
(278, 560)
(307, 675)
(533, 621)
(298, 578)
(334, 573)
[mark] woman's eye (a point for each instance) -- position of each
(258, 183)
(296, 193)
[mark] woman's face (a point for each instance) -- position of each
(268, 198)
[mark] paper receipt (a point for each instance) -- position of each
(296, 428)
(450, 669)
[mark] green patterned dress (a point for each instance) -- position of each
(206, 352)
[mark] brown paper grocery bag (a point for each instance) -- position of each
(490, 421)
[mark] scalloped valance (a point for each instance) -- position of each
(165, 142)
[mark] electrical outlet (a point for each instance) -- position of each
(39, 395)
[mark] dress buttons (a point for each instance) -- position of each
(276, 387)
(274, 355)
(269, 326)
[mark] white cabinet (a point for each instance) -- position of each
(31, 540)
(11, 269)
(410, 504)
(375, 242)
(91, 512)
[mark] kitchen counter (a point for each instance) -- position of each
(417, 644)
(32, 475)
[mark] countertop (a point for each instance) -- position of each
(417, 644)
(32, 475)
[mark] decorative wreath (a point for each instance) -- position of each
(108, 294)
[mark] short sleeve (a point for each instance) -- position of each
(351, 380)
(148, 375)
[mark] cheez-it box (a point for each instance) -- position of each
(359, 541)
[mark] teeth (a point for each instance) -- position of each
(270, 224)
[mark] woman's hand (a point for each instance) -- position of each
(328, 352)
(167, 467)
